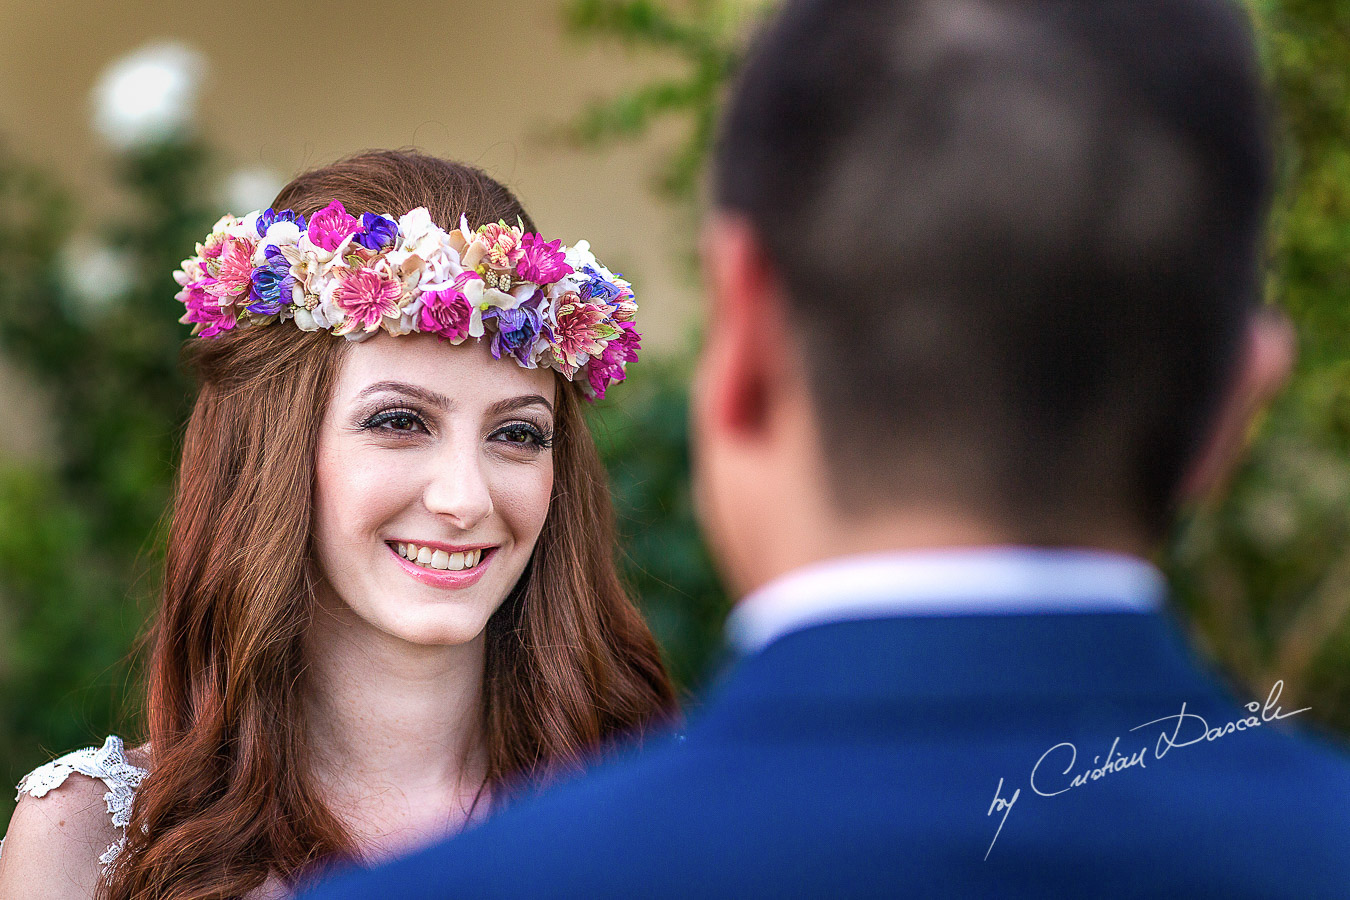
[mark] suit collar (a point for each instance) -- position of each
(945, 582)
(1039, 659)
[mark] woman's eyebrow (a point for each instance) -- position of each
(401, 387)
(511, 404)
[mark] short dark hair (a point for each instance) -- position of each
(1020, 238)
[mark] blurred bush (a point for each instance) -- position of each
(1264, 571)
(78, 525)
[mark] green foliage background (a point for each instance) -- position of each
(1264, 571)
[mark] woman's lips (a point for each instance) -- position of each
(445, 578)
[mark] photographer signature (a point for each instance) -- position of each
(1055, 781)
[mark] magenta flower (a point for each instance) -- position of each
(624, 347)
(540, 262)
(608, 368)
(330, 226)
(204, 311)
(234, 269)
(366, 296)
(447, 313)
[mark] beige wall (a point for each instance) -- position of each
(294, 85)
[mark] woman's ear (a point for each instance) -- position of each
(1267, 358)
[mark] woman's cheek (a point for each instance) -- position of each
(524, 501)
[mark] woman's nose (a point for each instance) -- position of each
(458, 489)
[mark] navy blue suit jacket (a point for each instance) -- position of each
(863, 759)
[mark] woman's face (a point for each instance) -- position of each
(433, 479)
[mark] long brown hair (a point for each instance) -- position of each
(570, 663)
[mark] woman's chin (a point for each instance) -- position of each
(438, 632)
(428, 624)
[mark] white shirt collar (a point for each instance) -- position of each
(950, 582)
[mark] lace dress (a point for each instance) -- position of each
(108, 764)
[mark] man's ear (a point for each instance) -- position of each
(746, 332)
(1267, 359)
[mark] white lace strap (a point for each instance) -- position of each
(108, 764)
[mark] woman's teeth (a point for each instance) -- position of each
(439, 559)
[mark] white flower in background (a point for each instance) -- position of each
(149, 95)
(95, 274)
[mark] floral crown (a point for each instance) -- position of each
(543, 304)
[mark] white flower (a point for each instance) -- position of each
(461, 237)
(311, 266)
(503, 300)
(579, 256)
(149, 95)
(418, 235)
(248, 226)
(442, 267)
(188, 271)
(221, 228)
(305, 319)
(327, 314)
(278, 235)
(432, 272)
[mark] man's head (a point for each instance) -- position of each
(992, 265)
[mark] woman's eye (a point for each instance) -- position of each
(395, 420)
(524, 435)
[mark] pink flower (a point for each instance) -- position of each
(234, 269)
(330, 226)
(540, 262)
(204, 311)
(578, 335)
(366, 296)
(624, 309)
(503, 245)
(447, 312)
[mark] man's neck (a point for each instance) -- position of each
(786, 551)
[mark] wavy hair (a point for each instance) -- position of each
(570, 663)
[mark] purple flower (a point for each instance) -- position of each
(331, 226)
(270, 217)
(599, 288)
(447, 313)
(377, 232)
(516, 330)
(272, 284)
(540, 262)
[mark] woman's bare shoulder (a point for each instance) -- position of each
(55, 842)
(70, 821)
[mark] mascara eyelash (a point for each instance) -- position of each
(543, 437)
(376, 419)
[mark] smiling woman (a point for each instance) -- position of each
(390, 600)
